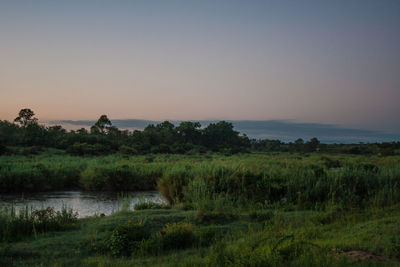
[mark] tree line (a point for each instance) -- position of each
(104, 138)
(314, 145)
(187, 137)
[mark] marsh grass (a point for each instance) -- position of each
(15, 224)
(309, 182)
(242, 210)
(144, 203)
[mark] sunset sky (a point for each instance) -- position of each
(335, 62)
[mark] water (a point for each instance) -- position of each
(85, 203)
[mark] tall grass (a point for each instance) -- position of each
(305, 180)
(26, 221)
(28, 174)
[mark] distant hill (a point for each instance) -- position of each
(272, 129)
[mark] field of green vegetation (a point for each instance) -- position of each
(276, 209)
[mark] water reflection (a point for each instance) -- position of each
(85, 203)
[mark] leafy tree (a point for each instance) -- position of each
(219, 136)
(10, 133)
(102, 124)
(25, 117)
(189, 132)
(299, 145)
(95, 130)
(312, 145)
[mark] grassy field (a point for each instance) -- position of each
(261, 237)
(241, 210)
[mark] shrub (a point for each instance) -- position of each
(387, 152)
(125, 238)
(82, 149)
(162, 148)
(127, 150)
(177, 235)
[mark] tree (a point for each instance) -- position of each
(221, 135)
(101, 125)
(189, 131)
(299, 145)
(25, 117)
(312, 145)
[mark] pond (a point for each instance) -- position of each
(85, 203)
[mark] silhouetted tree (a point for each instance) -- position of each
(299, 145)
(312, 145)
(25, 117)
(102, 124)
(189, 132)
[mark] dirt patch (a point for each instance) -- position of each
(361, 255)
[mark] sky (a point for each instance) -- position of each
(333, 62)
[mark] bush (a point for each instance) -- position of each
(127, 150)
(82, 149)
(162, 148)
(125, 238)
(387, 152)
(177, 235)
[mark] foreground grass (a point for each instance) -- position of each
(256, 238)
(242, 210)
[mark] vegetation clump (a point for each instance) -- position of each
(25, 222)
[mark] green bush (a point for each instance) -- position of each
(82, 149)
(177, 235)
(127, 150)
(126, 238)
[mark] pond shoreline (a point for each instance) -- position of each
(86, 203)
